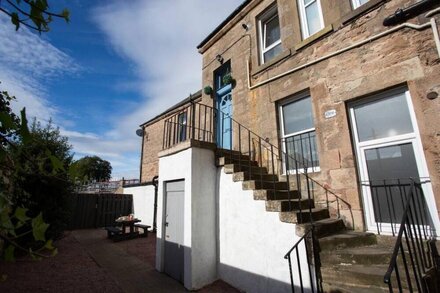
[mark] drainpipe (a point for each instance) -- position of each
(155, 183)
(142, 154)
(402, 14)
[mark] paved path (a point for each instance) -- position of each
(128, 271)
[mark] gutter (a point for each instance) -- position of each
(431, 24)
(408, 12)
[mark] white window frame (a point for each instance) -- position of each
(285, 136)
(412, 138)
(356, 3)
(303, 16)
(270, 14)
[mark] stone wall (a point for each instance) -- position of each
(153, 134)
(153, 138)
(406, 57)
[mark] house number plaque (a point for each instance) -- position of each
(330, 113)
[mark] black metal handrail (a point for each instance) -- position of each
(388, 198)
(200, 122)
(415, 259)
(312, 249)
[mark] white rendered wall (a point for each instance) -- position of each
(195, 166)
(252, 241)
(143, 203)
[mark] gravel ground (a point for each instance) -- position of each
(73, 270)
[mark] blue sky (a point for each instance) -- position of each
(114, 66)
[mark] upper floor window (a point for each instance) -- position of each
(311, 17)
(270, 36)
(357, 3)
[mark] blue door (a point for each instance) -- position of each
(224, 122)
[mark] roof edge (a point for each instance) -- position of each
(224, 22)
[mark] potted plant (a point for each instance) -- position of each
(227, 79)
(208, 90)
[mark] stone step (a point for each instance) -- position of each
(221, 161)
(342, 288)
(233, 168)
(304, 216)
(323, 228)
(346, 240)
(365, 255)
(242, 176)
(357, 275)
(270, 194)
(257, 184)
(224, 152)
(288, 205)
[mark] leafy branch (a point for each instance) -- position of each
(34, 14)
(15, 222)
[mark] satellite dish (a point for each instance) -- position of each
(140, 132)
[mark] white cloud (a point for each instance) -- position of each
(26, 52)
(158, 37)
(26, 61)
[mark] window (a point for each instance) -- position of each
(311, 17)
(270, 36)
(357, 3)
(182, 126)
(298, 134)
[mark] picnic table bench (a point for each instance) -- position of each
(113, 231)
(118, 234)
(144, 229)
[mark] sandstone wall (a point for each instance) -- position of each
(406, 57)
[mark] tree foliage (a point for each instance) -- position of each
(40, 178)
(34, 14)
(21, 222)
(33, 164)
(91, 168)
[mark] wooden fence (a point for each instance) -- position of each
(98, 209)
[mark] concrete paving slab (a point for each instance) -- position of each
(129, 272)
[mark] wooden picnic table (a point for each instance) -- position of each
(118, 234)
(129, 224)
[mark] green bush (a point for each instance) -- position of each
(40, 180)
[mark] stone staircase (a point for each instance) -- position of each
(276, 192)
(355, 264)
(350, 261)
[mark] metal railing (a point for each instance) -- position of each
(258, 159)
(271, 168)
(302, 148)
(313, 262)
(98, 187)
(388, 197)
(191, 122)
(415, 263)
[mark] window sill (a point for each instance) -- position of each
(314, 37)
(361, 10)
(281, 56)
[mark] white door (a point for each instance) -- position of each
(389, 154)
(174, 249)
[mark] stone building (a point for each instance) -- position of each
(326, 112)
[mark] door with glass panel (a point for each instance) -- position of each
(390, 157)
(224, 106)
(298, 135)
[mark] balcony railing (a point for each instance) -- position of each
(191, 122)
(302, 148)
(207, 124)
